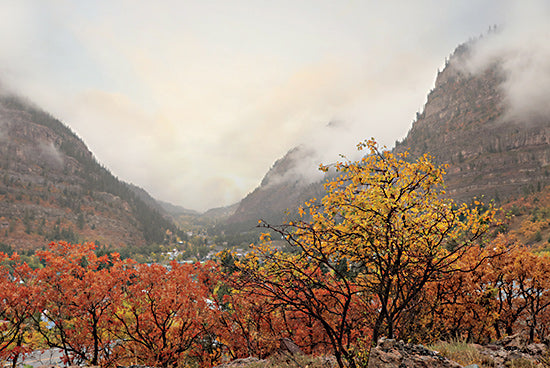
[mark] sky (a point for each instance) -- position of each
(195, 100)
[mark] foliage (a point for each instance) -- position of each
(251, 325)
(365, 255)
(79, 293)
(102, 310)
(5, 248)
(167, 317)
(383, 253)
(16, 308)
(506, 295)
(105, 310)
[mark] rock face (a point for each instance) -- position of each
(463, 124)
(395, 354)
(52, 188)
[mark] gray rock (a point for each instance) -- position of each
(392, 354)
(516, 341)
(535, 349)
(243, 362)
(289, 346)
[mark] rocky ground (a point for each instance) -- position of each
(512, 351)
(391, 353)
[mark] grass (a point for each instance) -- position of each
(521, 363)
(466, 354)
(463, 353)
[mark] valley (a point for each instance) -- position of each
(52, 188)
(442, 240)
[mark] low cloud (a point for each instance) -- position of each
(50, 155)
(522, 51)
(302, 163)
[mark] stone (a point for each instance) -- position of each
(535, 349)
(396, 354)
(289, 346)
(516, 341)
(237, 363)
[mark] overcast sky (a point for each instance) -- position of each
(195, 100)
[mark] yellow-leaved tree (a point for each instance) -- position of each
(364, 255)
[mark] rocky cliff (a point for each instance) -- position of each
(463, 125)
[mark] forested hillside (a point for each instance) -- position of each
(52, 188)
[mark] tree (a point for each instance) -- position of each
(381, 233)
(309, 285)
(78, 294)
(505, 295)
(520, 280)
(465, 305)
(167, 315)
(250, 325)
(16, 308)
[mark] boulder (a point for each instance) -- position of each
(513, 351)
(238, 363)
(516, 341)
(287, 346)
(390, 353)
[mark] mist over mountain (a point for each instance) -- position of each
(495, 139)
(487, 117)
(282, 190)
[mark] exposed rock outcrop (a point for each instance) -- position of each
(240, 363)
(513, 350)
(390, 353)
(464, 125)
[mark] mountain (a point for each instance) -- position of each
(220, 213)
(464, 124)
(279, 194)
(52, 188)
(174, 210)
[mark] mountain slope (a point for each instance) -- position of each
(52, 188)
(463, 124)
(279, 194)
